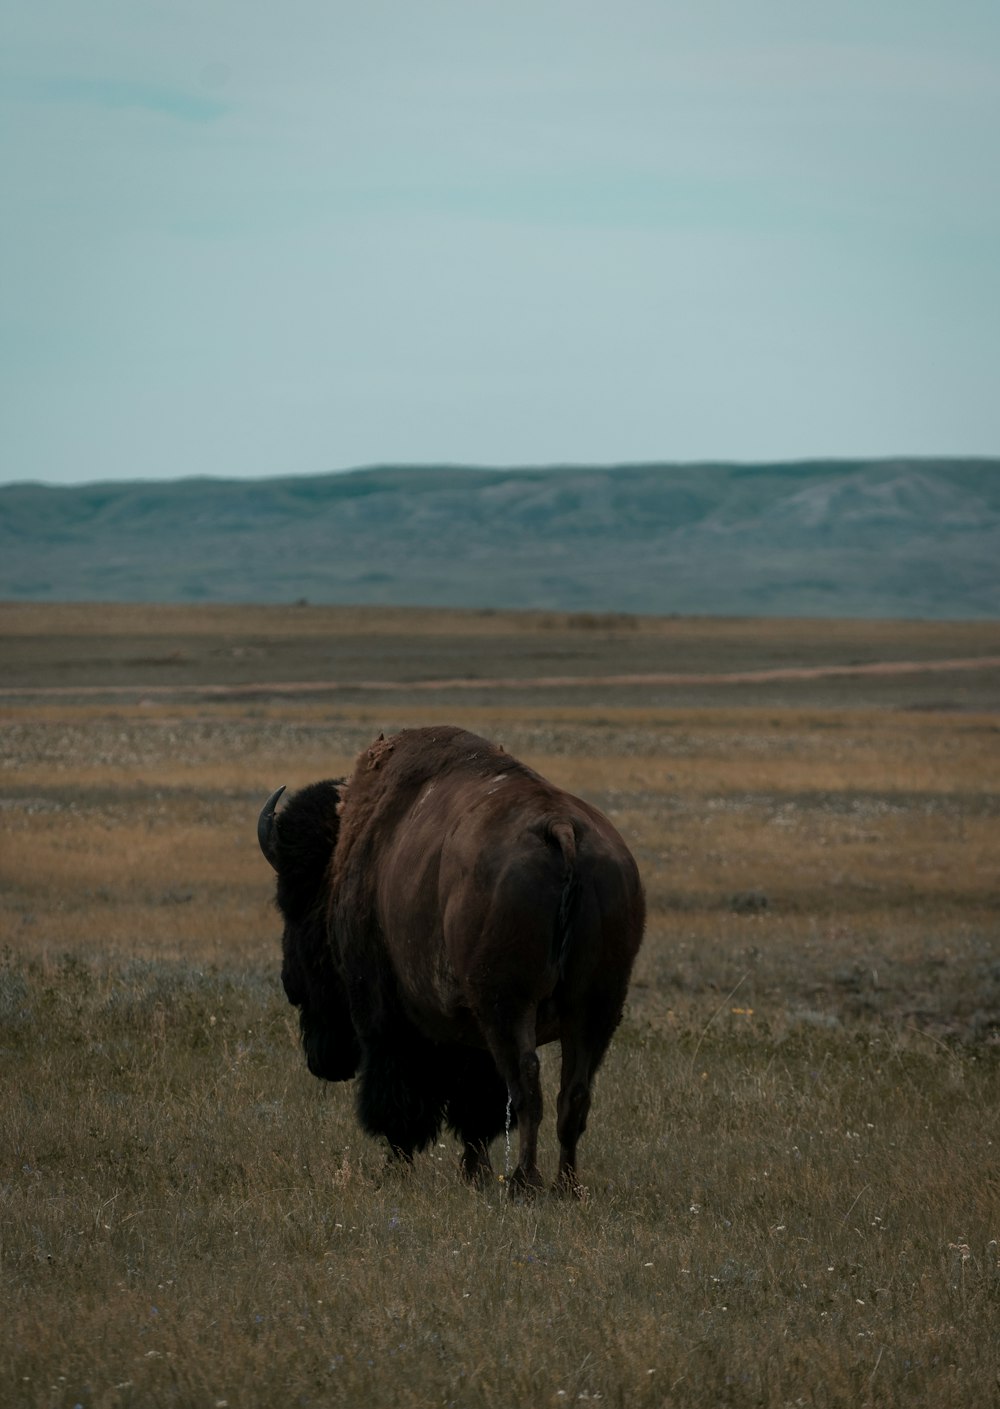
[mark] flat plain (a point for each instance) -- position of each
(792, 1185)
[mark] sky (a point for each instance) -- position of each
(243, 240)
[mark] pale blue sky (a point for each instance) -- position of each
(251, 240)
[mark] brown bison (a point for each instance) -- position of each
(447, 911)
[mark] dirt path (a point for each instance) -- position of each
(742, 677)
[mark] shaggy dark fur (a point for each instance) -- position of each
(305, 834)
(445, 913)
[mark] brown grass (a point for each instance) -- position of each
(38, 620)
(792, 1161)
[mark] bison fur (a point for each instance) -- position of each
(446, 912)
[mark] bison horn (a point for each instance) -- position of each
(266, 834)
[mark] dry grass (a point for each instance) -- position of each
(775, 1213)
(38, 620)
(792, 1163)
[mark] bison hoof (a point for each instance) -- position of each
(477, 1170)
(525, 1184)
(398, 1165)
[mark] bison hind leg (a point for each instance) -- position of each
(399, 1093)
(476, 1107)
(511, 1035)
(584, 1044)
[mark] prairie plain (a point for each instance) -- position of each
(793, 1194)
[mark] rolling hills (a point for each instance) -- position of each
(888, 538)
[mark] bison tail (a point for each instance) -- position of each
(563, 835)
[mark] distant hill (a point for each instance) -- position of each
(887, 538)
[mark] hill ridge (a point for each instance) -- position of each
(895, 537)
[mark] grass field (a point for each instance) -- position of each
(793, 1188)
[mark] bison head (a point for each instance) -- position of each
(298, 842)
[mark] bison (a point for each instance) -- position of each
(446, 912)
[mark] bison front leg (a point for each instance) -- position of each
(399, 1096)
